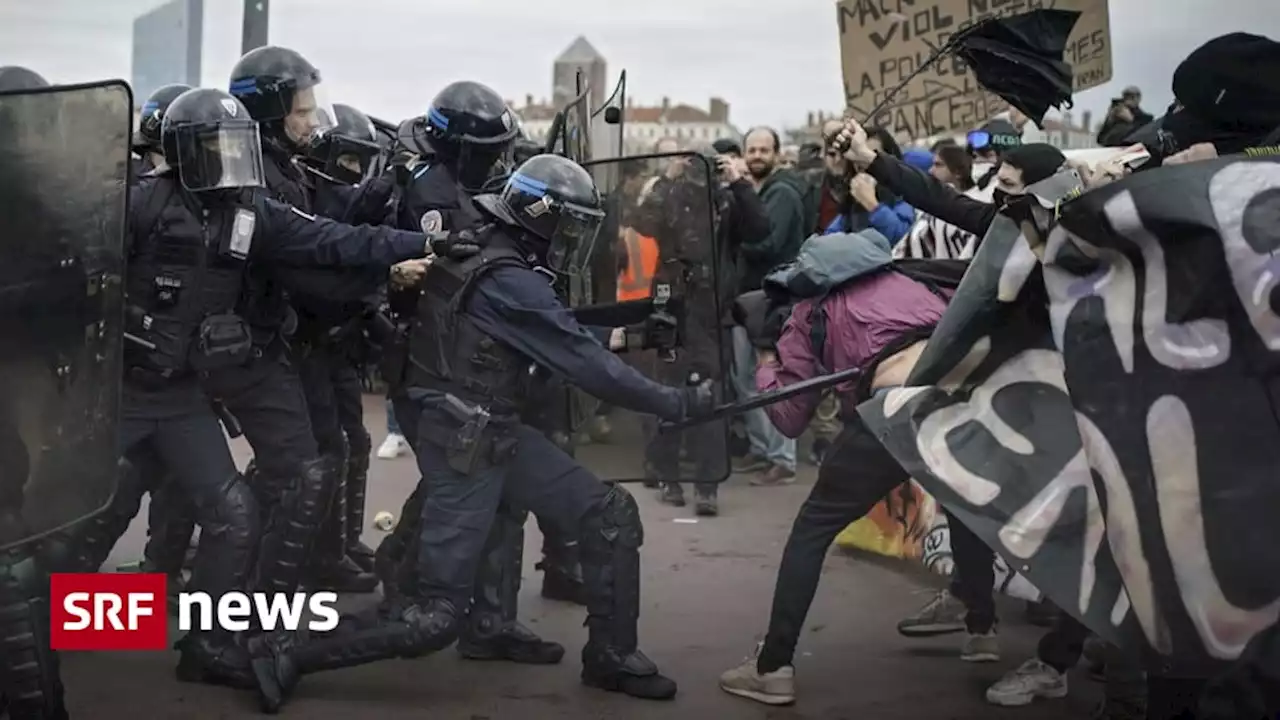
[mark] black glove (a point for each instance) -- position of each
(699, 400)
(659, 331)
(458, 245)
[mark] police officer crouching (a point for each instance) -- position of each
(482, 324)
(295, 483)
(185, 277)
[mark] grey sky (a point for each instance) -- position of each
(773, 60)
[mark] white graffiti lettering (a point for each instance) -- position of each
(1254, 273)
(1224, 628)
(1194, 345)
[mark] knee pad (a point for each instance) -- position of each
(230, 510)
(616, 520)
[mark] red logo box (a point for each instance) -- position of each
(108, 611)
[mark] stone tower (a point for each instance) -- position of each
(580, 55)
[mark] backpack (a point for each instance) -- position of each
(941, 277)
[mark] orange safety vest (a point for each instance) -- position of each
(636, 281)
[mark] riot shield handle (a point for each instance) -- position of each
(661, 296)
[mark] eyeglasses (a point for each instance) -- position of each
(983, 140)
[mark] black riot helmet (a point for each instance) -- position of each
(345, 151)
(469, 127)
(209, 138)
(147, 138)
(279, 88)
(554, 200)
(14, 78)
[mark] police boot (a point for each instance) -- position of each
(492, 631)
(396, 547)
(611, 659)
(331, 569)
(672, 493)
(229, 533)
(357, 481)
(562, 573)
(292, 524)
(279, 660)
(30, 677)
(705, 502)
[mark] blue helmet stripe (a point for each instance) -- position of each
(528, 184)
(244, 86)
(437, 119)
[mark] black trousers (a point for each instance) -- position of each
(334, 394)
(973, 576)
(856, 474)
(266, 397)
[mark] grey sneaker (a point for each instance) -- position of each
(943, 615)
(775, 688)
(1033, 679)
(981, 647)
(750, 463)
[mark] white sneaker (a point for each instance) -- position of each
(393, 447)
(1033, 679)
(775, 688)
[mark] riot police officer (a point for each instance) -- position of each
(344, 162)
(294, 482)
(184, 282)
(463, 139)
(483, 324)
(146, 140)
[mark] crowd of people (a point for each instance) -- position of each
(257, 275)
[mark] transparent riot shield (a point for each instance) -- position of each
(608, 131)
(666, 262)
(64, 171)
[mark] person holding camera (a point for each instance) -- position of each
(1125, 116)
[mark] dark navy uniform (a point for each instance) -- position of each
(484, 326)
(465, 138)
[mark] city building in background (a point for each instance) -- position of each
(167, 45)
(254, 29)
(643, 125)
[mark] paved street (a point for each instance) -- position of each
(707, 586)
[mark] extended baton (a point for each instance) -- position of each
(822, 382)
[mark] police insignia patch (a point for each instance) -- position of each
(230, 106)
(431, 222)
(540, 208)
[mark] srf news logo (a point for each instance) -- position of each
(129, 611)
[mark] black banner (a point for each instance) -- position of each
(1107, 419)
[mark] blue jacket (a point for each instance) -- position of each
(891, 220)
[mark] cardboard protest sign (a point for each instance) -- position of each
(884, 41)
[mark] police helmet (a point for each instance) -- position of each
(468, 126)
(555, 200)
(279, 88)
(209, 137)
(344, 151)
(14, 78)
(147, 138)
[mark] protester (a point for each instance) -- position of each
(783, 194)
(876, 320)
(1123, 118)
(870, 206)
(988, 144)
(395, 444)
(934, 238)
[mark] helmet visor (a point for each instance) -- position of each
(570, 246)
(310, 115)
(225, 155)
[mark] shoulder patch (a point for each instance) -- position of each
(299, 213)
(431, 222)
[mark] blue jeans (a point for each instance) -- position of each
(393, 427)
(766, 440)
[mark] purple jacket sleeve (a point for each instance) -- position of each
(795, 364)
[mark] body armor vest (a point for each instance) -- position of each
(449, 353)
(265, 305)
(177, 278)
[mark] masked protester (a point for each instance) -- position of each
(481, 323)
(988, 145)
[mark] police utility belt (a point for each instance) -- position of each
(478, 443)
